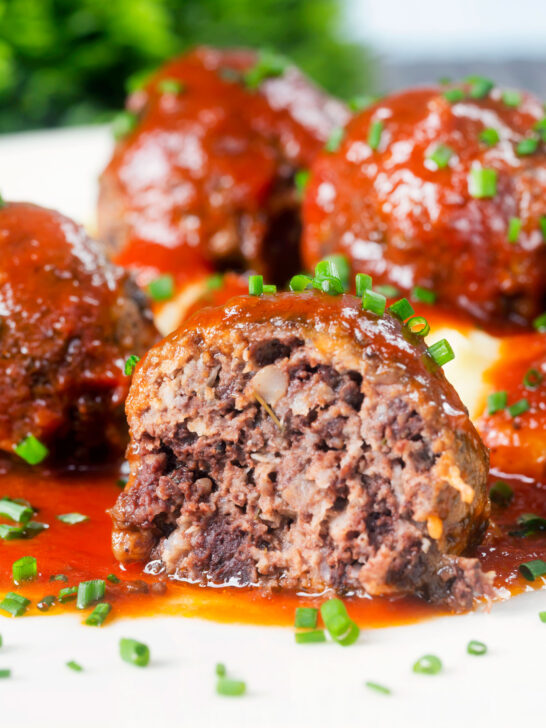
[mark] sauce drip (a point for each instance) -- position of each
(82, 552)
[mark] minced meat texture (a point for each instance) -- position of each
(297, 441)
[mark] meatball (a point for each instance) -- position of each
(68, 321)
(209, 169)
(442, 189)
(298, 441)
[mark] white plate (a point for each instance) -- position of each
(288, 685)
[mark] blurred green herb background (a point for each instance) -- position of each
(68, 61)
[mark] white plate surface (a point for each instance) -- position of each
(288, 685)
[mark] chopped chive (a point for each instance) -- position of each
(519, 407)
(300, 282)
(311, 636)
(14, 604)
(530, 524)
(378, 688)
(418, 325)
(540, 322)
(232, 688)
(441, 352)
(482, 182)
(29, 530)
(98, 615)
(269, 288)
(501, 493)
(46, 603)
(2, 202)
(130, 364)
(532, 569)
(480, 87)
(335, 139)
(362, 282)
(423, 295)
(220, 669)
(527, 147)
(268, 65)
(215, 282)
(72, 665)
(31, 450)
(387, 290)
(89, 592)
(441, 156)
(113, 579)
(542, 616)
(301, 178)
(18, 512)
(453, 95)
(360, 103)
(122, 482)
(338, 623)
(532, 379)
(133, 652)
(67, 594)
(428, 665)
(162, 288)
(489, 136)
(514, 229)
(542, 223)
(58, 577)
(474, 647)
(5, 673)
(171, 86)
(306, 618)
(25, 569)
(255, 285)
(402, 309)
(338, 266)
(374, 302)
(511, 98)
(328, 284)
(496, 401)
(540, 126)
(72, 518)
(374, 135)
(124, 123)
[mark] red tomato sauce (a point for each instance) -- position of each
(82, 552)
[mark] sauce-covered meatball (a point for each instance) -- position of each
(297, 441)
(208, 172)
(442, 189)
(68, 321)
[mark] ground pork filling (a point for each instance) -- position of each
(275, 468)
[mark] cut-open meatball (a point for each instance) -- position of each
(209, 168)
(68, 321)
(441, 188)
(298, 441)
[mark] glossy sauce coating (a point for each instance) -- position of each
(518, 444)
(68, 321)
(207, 174)
(407, 222)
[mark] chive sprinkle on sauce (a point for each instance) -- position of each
(75, 666)
(335, 139)
(482, 182)
(496, 401)
(72, 518)
(531, 570)
(31, 450)
(375, 134)
(161, 288)
(532, 379)
(501, 493)
(130, 364)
